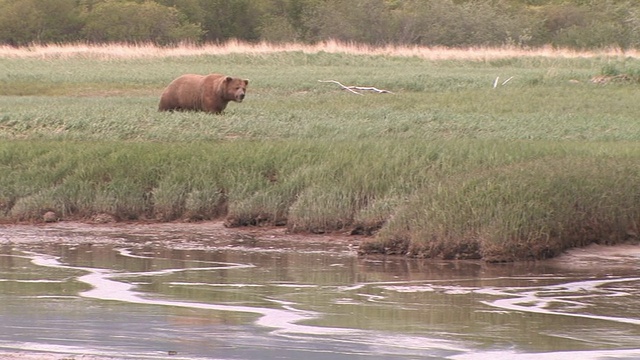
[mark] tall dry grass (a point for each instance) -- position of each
(148, 50)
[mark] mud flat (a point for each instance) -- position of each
(597, 256)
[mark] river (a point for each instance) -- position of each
(200, 291)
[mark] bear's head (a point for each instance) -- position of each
(236, 88)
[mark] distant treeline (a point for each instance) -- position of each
(578, 24)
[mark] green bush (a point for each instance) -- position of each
(127, 21)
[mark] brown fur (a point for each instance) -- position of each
(210, 93)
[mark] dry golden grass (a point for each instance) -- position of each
(121, 50)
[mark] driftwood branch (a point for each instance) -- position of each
(354, 88)
(495, 83)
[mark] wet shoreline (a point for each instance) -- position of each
(176, 234)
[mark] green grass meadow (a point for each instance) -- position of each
(447, 166)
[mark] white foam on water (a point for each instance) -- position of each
(295, 285)
(409, 288)
(544, 299)
(82, 351)
(129, 253)
(44, 281)
(289, 322)
(285, 320)
(52, 297)
(539, 299)
(350, 287)
(559, 355)
(104, 287)
(181, 283)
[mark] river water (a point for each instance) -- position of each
(183, 291)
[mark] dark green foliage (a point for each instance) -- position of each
(126, 21)
(26, 21)
(579, 24)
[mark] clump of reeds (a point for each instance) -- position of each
(520, 211)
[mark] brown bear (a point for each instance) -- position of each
(210, 93)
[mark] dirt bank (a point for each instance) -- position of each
(600, 257)
(202, 235)
(206, 234)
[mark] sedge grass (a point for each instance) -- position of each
(447, 166)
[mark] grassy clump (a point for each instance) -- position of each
(448, 166)
(532, 210)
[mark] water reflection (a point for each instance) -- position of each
(144, 294)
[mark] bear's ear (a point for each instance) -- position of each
(228, 79)
(246, 82)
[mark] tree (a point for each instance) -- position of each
(128, 21)
(583, 24)
(366, 21)
(27, 21)
(192, 9)
(288, 20)
(225, 19)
